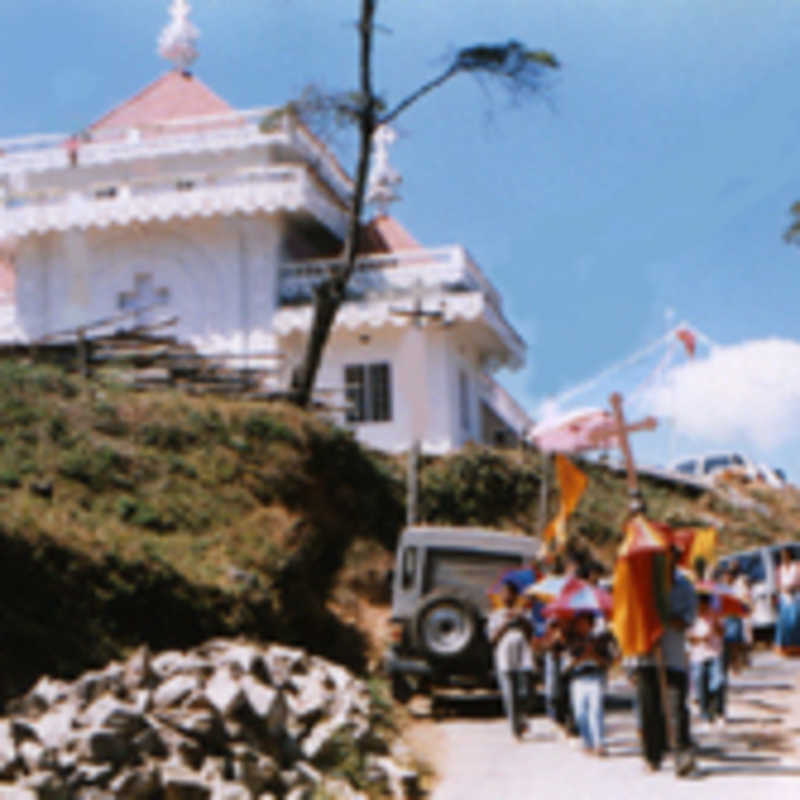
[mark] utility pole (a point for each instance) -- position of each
(418, 316)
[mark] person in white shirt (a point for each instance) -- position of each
(787, 630)
(705, 659)
(509, 631)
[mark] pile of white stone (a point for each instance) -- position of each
(228, 720)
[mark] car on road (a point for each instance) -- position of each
(706, 466)
(440, 604)
(760, 565)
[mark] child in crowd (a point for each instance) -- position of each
(590, 657)
(705, 658)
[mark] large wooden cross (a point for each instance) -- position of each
(620, 429)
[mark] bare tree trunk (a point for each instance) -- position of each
(330, 294)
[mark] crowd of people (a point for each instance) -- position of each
(571, 655)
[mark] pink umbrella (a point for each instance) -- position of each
(575, 431)
(724, 599)
(580, 597)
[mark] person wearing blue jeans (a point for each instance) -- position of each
(706, 660)
(587, 679)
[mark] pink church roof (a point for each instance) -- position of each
(384, 234)
(175, 95)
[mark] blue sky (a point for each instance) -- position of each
(656, 173)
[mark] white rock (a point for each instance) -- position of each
(48, 691)
(174, 690)
(283, 662)
(314, 744)
(142, 783)
(228, 790)
(32, 754)
(402, 782)
(308, 772)
(109, 712)
(8, 750)
(165, 663)
(311, 702)
(257, 771)
(12, 792)
(341, 790)
(142, 700)
(138, 670)
(224, 691)
(99, 682)
(184, 751)
(91, 775)
(182, 784)
(243, 656)
(173, 662)
(55, 727)
(265, 701)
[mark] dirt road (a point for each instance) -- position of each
(755, 756)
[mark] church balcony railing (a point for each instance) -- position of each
(247, 190)
(444, 268)
(235, 130)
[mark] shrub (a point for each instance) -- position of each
(98, 468)
(108, 421)
(266, 428)
(165, 436)
(9, 477)
(477, 487)
(57, 428)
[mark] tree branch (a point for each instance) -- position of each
(435, 83)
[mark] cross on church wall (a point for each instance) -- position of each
(143, 298)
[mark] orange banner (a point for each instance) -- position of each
(641, 586)
(572, 482)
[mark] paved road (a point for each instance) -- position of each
(755, 756)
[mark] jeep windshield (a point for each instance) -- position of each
(467, 569)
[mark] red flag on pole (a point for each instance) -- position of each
(689, 340)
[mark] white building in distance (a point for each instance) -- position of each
(174, 204)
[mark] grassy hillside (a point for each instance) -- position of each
(501, 488)
(131, 517)
(161, 518)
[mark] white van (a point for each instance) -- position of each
(706, 466)
(761, 567)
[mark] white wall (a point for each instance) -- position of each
(423, 401)
(220, 273)
(463, 357)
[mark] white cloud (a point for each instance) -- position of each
(748, 391)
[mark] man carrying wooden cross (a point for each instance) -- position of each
(654, 604)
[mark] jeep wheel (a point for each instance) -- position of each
(446, 625)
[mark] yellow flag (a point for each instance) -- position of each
(573, 484)
(703, 545)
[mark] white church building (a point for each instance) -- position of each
(175, 204)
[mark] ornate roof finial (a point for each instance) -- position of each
(383, 177)
(178, 40)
